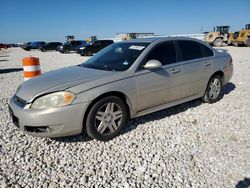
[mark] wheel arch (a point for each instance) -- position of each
(220, 73)
(218, 38)
(118, 94)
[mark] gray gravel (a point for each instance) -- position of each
(190, 145)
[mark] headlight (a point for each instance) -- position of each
(82, 48)
(53, 100)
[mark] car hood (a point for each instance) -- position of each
(60, 80)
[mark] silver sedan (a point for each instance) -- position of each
(123, 81)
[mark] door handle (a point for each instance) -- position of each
(175, 71)
(207, 64)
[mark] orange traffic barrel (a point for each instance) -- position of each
(31, 67)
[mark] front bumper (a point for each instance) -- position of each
(54, 122)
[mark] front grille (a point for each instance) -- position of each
(19, 102)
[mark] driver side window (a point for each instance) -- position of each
(164, 52)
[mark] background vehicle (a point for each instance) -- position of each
(34, 45)
(24, 45)
(220, 35)
(4, 45)
(71, 46)
(95, 47)
(242, 37)
(50, 46)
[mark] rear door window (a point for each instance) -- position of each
(207, 52)
(190, 50)
(164, 52)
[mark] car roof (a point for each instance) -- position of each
(161, 39)
(104, 40)
(53, 42)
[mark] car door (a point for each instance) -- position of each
(49, 46)
(196, 68)
(75, 45)
(162, 85)
(96, 46)
(56, 45)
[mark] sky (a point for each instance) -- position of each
(52, 20)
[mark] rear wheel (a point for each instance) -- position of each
(235, 44)
(218, 42)
(89, 53)
(66, 51)
(214, 89)
(106, 118)
(247, 43)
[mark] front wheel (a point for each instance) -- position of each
(214, 89)
(89, 53)
(106, 118)
(247, 42)
(218, 42)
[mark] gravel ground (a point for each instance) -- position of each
(190, 145)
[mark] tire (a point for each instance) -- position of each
(214, 90)
(218, 42)
(102, 122)
(235, 44)
(247, 43)
(43, 49)
(89, 53)
(66, 51)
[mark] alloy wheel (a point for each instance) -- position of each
(215, 88)
(108, 118)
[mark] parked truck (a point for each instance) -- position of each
(242, 37)
(218, 36)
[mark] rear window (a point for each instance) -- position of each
(207, 52)
(190, 50)
(76, 42)
(107, 42)
(96, 43)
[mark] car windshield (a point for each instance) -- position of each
(116, 57)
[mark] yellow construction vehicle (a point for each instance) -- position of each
(242, 37)
(218, 36)
(230, 38)
(91, 39)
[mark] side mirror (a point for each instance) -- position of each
(152, 64)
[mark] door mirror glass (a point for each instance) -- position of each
(152, 64)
